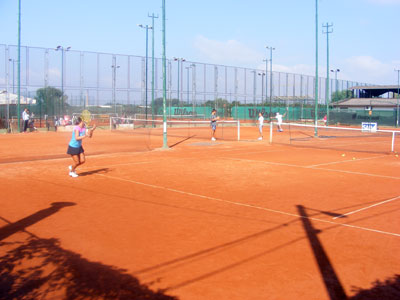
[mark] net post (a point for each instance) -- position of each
(271, 124)
(111, 123)
(238, 126)
(393, 137)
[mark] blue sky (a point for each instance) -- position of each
(364, 44)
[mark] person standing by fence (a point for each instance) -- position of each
(25, 118)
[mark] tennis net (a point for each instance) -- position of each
(335, 138)
(170, 117)
(187, 129)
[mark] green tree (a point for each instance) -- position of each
(340, 95)
(219, 102)
(49, 100)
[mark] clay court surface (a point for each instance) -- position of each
(237, 220)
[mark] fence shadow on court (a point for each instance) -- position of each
(41, 269)
(329, 276)
(38, 268)
(20, 225)
(388, 289)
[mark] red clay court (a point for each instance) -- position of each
(237, 220)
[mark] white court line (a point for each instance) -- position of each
(358, 173)
(122, 164)
(251, 152)
(312, 168)
(264, 162)
(249, 205)
(343, 161)
(364, 208)
(108, 155)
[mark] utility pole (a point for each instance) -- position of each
(327, 32)
(152, 16)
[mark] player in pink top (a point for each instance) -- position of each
(75, 148)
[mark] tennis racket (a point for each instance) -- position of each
(86, 117)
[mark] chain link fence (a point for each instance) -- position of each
(59, 82)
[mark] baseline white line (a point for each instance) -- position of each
(312, 168)
(249, 205)
(344, 161)
(117, 154)
(364, 208)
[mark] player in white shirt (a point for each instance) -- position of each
(279, 118)
(25, 118)
(260, 125)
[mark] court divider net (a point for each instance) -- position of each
(226, 129)
(335, 138)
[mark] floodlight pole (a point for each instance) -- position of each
(187, 68)
(62, 76)
(336, 82)
(8, 97)
(179, 70)
(193, 67)
(398, 92)
(62, 82)
(316, 70)
(13, 68)
(254, 89)
(164, 68)
(262, 74)
(152, 16)
(147, 27)
(114, 67)
(270, 81)
(266, 78)
(19, 66)
(327, 32)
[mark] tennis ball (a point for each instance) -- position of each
(397, 155)
(343, 154)
(354, 158)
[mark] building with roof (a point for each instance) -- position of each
(12, 99)
(382, 97)
(379, 103)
